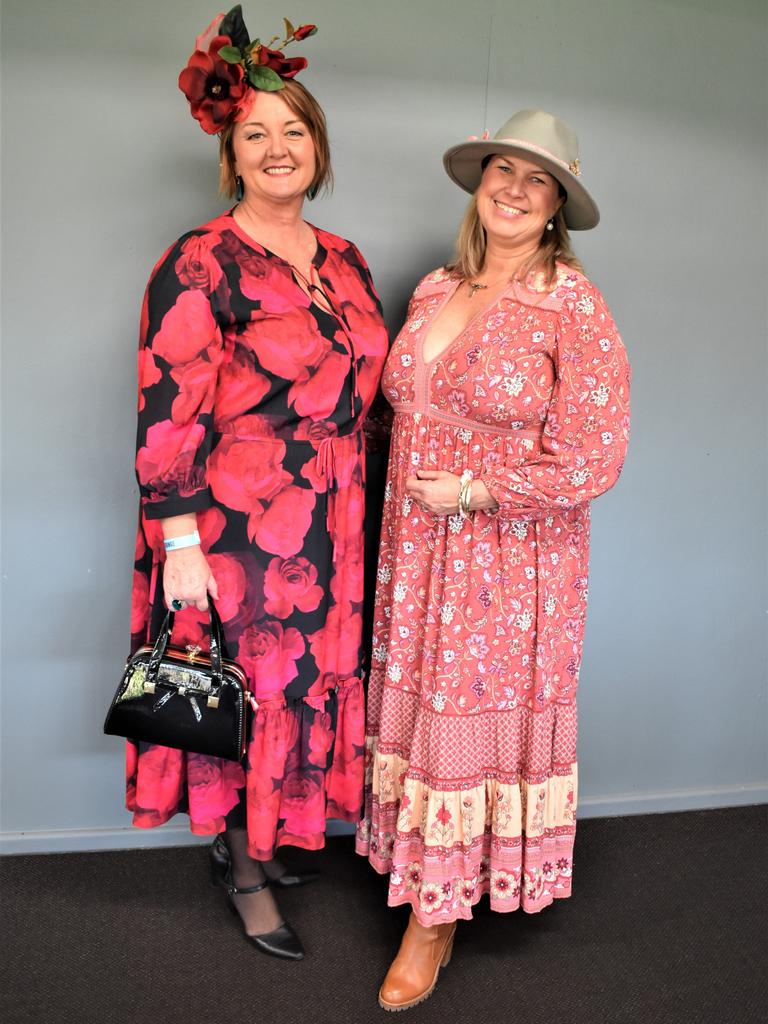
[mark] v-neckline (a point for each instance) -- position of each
(316, 262)
(483, 311)
(254, 243)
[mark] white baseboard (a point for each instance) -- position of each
(626, 804)
(83, 840)
(80, 840)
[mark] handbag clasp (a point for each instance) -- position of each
(192, 652)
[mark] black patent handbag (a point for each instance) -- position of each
(183, 698)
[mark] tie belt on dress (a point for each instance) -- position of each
(325, 460)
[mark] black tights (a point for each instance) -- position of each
(258, 910)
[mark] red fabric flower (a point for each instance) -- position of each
(302, 803)
(268, 653)
(336, 647)
(166, 462)
(210, 525)
(344, 782)
(196, 382)
(214, 88)
(243, 474)
(291, 583)
(191, 627)
(282, 527)
(319, 396)
(274, 734)
(187, 329)
(230, 579)
(303, 31)
(240, 387)
(212, 788)
(287, 345)
(286, 67)
(160, 786)
(269, 283)
(315, 431)
(321, 737)
(197, 267)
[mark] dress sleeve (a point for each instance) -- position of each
(587, 423)
(180, 351)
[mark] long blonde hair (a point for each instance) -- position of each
(471, 243)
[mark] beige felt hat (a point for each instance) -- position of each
(537, 136)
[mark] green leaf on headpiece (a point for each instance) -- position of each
(232, 25)
(289, 29)
(231, 55)
(265, 78)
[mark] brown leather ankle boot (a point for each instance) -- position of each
(413, 975)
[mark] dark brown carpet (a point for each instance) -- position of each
(667, 925)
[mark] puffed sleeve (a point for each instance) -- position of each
(586, 431)
(180, 351)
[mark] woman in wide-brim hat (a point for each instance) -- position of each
(262, 343)
(510, 387)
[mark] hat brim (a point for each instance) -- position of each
(463, 164)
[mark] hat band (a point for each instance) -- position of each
(574, 167)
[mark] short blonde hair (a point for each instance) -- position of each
(471, 243)
(301, 101)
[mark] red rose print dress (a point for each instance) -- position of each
(252, 399)
(478, 622)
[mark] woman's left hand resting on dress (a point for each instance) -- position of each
(437, 491)
(187, 577)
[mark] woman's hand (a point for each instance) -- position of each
(437, 491)
(187, 577)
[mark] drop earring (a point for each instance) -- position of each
(239, 189)
(550, 225)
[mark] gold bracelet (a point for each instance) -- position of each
(465, 494)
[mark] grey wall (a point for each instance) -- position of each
(103, 168)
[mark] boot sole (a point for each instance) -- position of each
(445, 959)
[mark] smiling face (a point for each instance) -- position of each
(273, 151)
(515, 199)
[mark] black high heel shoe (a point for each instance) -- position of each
(282, 941)
(220, 864)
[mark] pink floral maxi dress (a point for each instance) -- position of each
(471, 775)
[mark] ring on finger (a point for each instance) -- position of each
(176, 604)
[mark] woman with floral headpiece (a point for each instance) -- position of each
(262, 345)
(510, 387)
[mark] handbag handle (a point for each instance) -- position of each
(158, 651)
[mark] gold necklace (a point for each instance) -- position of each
(475, 286)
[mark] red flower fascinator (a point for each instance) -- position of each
(226, 62)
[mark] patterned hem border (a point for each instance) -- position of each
(465, 913)
(462, 910)
(445, 885)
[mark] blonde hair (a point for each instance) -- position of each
(301, 101)
(471, 243)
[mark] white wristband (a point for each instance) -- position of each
(176, 543)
